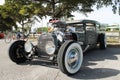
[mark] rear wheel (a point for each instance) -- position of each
(16, 52)
(70, 57)
(103, 42)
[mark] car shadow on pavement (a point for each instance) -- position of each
(96, 73)
(101, 55)
(92, 58)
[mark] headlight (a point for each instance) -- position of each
(50, 47)
(28, 46)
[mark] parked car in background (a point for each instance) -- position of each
(1, 35)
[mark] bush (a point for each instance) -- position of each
(42, 29)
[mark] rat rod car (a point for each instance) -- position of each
(63, 45)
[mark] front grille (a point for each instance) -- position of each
(42, 41)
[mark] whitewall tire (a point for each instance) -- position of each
(70, 57)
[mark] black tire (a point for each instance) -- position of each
(103, 42)
(67, 60)
(16, 52)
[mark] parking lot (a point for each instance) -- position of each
(97, 65)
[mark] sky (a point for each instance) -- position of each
(2, 2)
(103, 15)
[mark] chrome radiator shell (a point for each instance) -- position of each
(43, 40)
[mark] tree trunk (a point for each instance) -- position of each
(53, 8)
(22, 26)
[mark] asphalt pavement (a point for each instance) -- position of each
(97, 65)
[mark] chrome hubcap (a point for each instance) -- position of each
(73, 58)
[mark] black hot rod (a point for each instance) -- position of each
(64, 44)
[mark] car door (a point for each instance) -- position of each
(80, 32)
(91, 34)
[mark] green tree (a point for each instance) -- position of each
(5, 20)
(22, 11)
(59, 8)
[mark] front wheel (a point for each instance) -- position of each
(70, 57)
(16, 52)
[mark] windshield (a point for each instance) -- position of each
(78, 26)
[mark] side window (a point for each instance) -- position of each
(90, 27)
(79, 27)
(98, 27)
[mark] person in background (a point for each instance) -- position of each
(33, 31)
(18, 35)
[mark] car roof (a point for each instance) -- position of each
(82, 21)
(60, 24)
